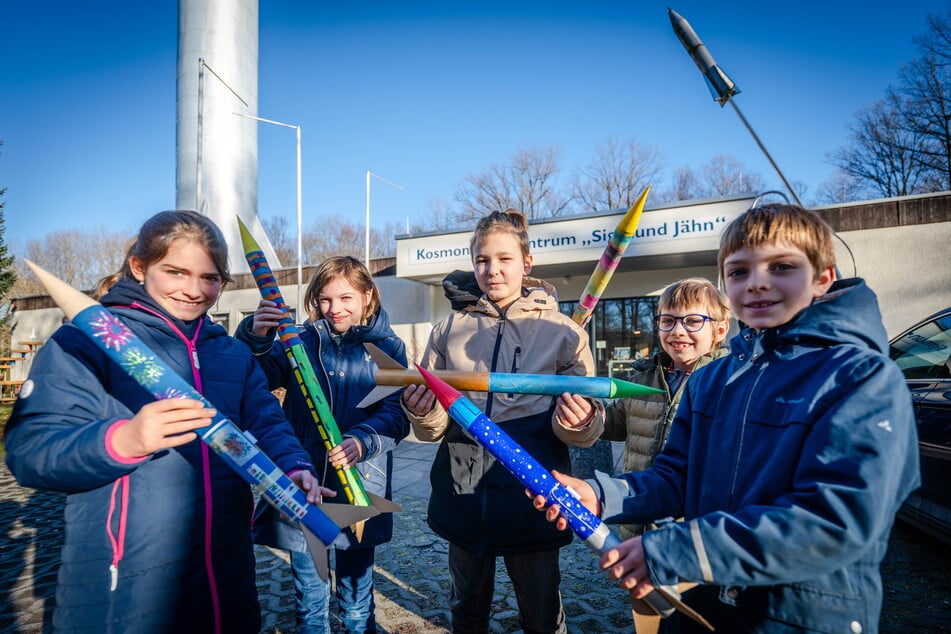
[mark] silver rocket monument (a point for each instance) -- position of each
(217, 151)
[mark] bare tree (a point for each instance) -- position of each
(724, 175)
(527, 183)
(686, 185)
(277, 230)
(841, 187)
(79, 257)
(616, 175)
(882, 151)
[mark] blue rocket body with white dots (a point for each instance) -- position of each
(523, 466)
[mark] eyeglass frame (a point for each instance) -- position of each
(683, 323)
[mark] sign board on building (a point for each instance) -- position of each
(677, 229)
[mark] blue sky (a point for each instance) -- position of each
(426, 93)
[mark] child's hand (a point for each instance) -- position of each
(349, 452)
(627, 565)
(309, 484)
(266, 317)
(418, 399)
(574, 410)
(553, 513)
(161, 425)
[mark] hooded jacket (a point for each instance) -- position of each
(345, 372)
(788, 460)
(162, 543)
(476, 503)
(643, 423)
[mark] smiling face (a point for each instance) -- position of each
(342, 305)
(500, 266)
(186, 282)
(771, 283)
(685, 347)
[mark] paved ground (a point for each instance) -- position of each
(411, 578)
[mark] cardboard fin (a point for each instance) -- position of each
(318, 551)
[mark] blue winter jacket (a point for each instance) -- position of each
(176, 525)
(788, 460)
(345, 372)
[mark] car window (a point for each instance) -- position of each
(925, 351)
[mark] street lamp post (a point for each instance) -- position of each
(300, 283)
(366, 255)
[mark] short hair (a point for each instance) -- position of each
(350, 269)
(159, 232)
(780, 223)
(508, 221)
(692, 291)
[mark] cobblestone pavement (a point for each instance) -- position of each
(412, 582)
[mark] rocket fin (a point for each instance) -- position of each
(378, 393)
(383, 360)
(348, 514)
(383, 505)
(318, 550)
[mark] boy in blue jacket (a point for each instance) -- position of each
(788, 459)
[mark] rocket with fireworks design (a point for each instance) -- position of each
(392, 376)
(240, 453)
(537, 479)
(289, 336)
(610, 258)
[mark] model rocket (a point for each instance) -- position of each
(289, 336)
(392, 376)
(537, 479)
(610, 258)
(232, 445)
(721, 86)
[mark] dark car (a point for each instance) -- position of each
(923, 352)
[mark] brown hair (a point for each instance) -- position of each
(693, 291)
(350, 269)
(508, 221)
(780, 223)
(157, 235)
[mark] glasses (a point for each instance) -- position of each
(691, 323)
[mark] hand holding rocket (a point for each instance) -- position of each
(237, 449)
(540, 482)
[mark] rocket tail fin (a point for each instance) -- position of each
(318, 551)
(383, 505)
(348, 514)
(383, 360)
(378, 393)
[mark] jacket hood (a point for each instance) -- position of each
(847, 314)
(462, 290)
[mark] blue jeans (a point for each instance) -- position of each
(353, 572)
(312, 595)
(535, 579)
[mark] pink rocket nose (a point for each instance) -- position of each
(445, 393)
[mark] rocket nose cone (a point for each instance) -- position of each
(444, 393)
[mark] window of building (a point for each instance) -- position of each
(223, 319)
(621, 330)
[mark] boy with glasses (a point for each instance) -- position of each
(693, 320)
(788, 458)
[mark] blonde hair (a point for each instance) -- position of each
(780, 223)
(157, 235)
(350, 269)
(695, 291)
(508, 221)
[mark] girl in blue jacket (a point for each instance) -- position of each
(157, 535)
(343, 305)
